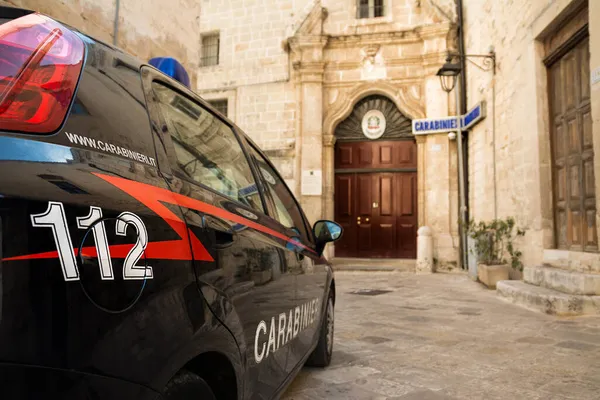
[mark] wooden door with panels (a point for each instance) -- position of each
(574, 193)
(376, 198)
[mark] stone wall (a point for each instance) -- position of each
(254, 71)
(509, 152)
(146, 29)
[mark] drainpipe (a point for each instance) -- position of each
(116, 22)
(464, 143)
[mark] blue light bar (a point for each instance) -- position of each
(171, 67)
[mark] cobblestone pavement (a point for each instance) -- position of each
(443, 336)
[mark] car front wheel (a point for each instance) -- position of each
(187, 386)
(321, 356)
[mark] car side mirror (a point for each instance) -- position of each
(326, 231)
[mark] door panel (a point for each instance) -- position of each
(364, 217)
(364, 195)
(572, 163)
(365, 155)
(385, 154)
(384, 215)
(407, 219)
(344, 214)
(385, 195)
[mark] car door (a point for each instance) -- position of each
(301, 258)
(238, 261)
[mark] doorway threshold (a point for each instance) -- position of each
(373, 264)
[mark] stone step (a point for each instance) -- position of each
(573, 260)
(373, 264)
(546, 300)
(570, 282)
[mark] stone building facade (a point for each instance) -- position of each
(519, 126)
(537, 155)
(293, 73)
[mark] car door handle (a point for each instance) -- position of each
(224, 235)
(224, 239)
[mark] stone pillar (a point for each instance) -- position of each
(424, 251)
(328, 176)
(308, 68)
(421, 151)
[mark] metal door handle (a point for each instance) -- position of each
(223, 239)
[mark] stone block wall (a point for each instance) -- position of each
(147, 29)
(251, 41)
(509, 152)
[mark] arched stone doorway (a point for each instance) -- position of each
(375, 181)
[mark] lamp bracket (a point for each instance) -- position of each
(488, 60)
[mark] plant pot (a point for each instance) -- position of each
(489, 275)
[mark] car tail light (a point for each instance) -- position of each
(40, 63)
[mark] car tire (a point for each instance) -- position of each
(321, 356)
(187, 385)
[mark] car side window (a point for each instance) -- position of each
(206, 148)
(286, 208)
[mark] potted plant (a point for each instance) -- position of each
(496, 253)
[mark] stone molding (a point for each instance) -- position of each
(415, 35)
(313, 23)
(426, 60)
(329, 140)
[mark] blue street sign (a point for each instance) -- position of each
(422, 126)
(473, 116)
(248, 190)
(446, 124)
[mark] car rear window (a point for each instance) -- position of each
(206, 148)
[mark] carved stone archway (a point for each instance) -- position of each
(407, 99)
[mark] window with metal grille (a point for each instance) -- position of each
(220, 105)
(210, 50)
(369, 8)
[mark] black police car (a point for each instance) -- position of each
(149, 248)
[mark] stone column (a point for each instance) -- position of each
(421, 151)
(328, 176)
(328, 205)
(308, 69)
(425, 263)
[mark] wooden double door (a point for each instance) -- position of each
(376, 199)
(572, 148)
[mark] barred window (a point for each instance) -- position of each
(220, 105)
(210, 50)
(369, 9)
